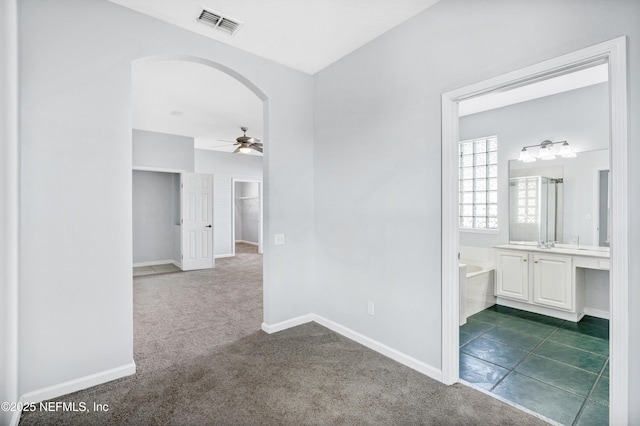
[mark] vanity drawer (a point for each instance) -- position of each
(591, 262)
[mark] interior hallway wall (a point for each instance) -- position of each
(162, 151)
(388, 94)
(9, 207)
(77, 185)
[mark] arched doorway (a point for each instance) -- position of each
(187, 113)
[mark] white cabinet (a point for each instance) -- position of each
(512, 277)
(548, 282)
(552, 283)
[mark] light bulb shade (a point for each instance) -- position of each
(565, 151)
(546, 154)
(525, 157)
(244, 149)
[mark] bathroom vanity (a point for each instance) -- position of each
(549, 281)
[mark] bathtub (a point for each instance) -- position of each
(477, 287)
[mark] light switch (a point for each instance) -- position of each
(279, 239)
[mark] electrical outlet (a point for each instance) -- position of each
(370, 308)
(279, 239)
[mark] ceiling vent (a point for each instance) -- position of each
(219, 22)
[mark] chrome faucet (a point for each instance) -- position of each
(546, 244)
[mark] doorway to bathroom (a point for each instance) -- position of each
(613, 54)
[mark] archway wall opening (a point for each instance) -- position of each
(76, 184)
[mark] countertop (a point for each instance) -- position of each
(599, 252)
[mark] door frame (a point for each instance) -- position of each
(614, 53)
(233, 213)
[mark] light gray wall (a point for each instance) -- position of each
(76, 180)
(163, 151)
(4, 196)
(154, 204)
(580, 117)
(9, 207)
(377, 204)
(225, 167)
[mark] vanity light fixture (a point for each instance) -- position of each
(565, 151)
(525, 157)
(545, 152)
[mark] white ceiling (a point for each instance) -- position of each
(286, 31)
(190, 99)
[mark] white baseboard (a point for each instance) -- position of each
(15, 418)
(220, 256)
(538, 309)
(293, 322)
(381, 348)
(79, 383)
(154, 263)
(597, 313)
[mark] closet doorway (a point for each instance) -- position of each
(156, 222)
(247, 213)
(172, 221)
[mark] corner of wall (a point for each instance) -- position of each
(9, 213)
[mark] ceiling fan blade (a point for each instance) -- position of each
(258, 144)
(257, 148)
(237, 150)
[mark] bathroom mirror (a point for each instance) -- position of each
(564, 200)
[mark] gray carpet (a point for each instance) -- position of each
(202, 359)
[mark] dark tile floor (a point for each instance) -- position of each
(556, 368)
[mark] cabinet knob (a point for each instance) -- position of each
(535, 261)
(524, 260)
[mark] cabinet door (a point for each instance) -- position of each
(552, 284)
(512, 279)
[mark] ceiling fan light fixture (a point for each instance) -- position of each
(244, 149)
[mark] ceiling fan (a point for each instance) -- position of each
(247, 143)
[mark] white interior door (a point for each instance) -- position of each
(196, 220)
